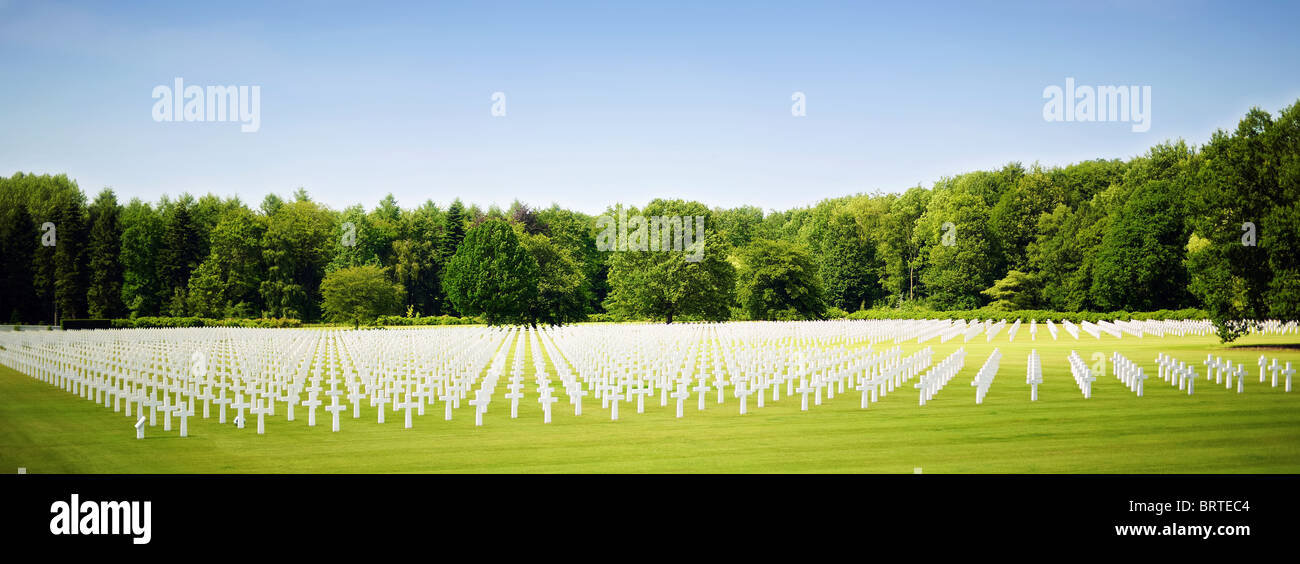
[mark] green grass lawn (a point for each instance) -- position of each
(47, 430)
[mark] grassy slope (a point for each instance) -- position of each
(49, 431)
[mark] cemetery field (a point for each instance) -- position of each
(45, 429)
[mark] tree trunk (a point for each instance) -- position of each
(910, 283)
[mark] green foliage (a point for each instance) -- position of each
(899, 244)
(229, 279)
(1251, 176)
(359, 294)
(664, 284)
(1014, 219)
(846, 260)
(492, 275)
(172, 322)
(1064, 253)
(66, 209)
(455, 229)
(397, 320)
(57, 273)
(181, 252)
(417, 262)
(1026, 315)
(142, 234)
(20, 245)
(1139, 263)
(362, 244)
(778, 280)
(562, 293)
(739, 225)
(104, 294)
(574, 232)
(295, 249)
(1015, 291)
(956, 273)
(1162, 230)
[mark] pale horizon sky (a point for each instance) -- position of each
(609, 101)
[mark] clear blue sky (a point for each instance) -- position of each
(613, 101)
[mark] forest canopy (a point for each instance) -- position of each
(1215, 227)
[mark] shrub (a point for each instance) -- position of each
(400, 321)
(173, 322)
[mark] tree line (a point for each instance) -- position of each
(1215, 227)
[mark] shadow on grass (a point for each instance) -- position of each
(1281, 347)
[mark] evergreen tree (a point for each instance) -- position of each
(21, 240)
(71, 275)
(104, 296)
(178, 256)
(456, 219)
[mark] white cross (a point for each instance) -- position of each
(701, 390)
(546, 400)
(334, 408)
(261, 411)
(680, 395)
(311, 403)
(480, 403)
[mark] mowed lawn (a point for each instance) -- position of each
(47, 430)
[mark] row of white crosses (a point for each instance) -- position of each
(409, 370)
(1034, 374)
(1070, 328)
(1273, 327)
(1176, 372)
(1127, 372)
(126, 374)
(263, 370)
(172, 373)
(891, 373)
(1221, 369)
(946, 330)
(1110, 328)
(1082, 375)
(1011, 333)
(936, 378)
(741, 361)
(994, 329)
(1089, 328)
(1275, 369)
(984, 377)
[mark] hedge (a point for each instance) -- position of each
(832, 313)
(170, 322)
(1026, 315)
(983, 313)
(398, 320)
